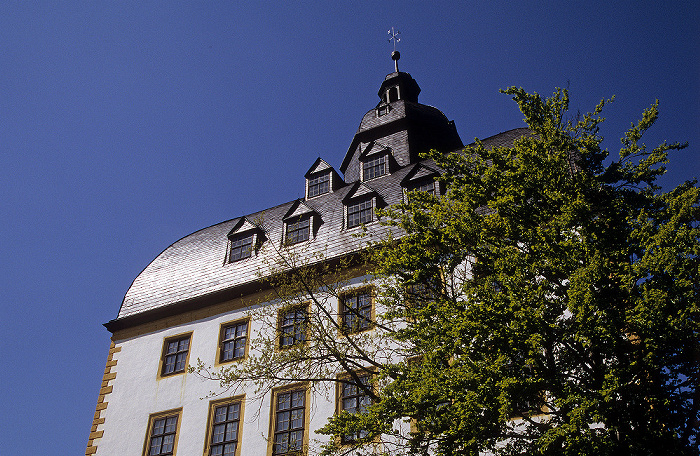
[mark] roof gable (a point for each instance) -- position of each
(299, 208)
(361, 189)
(419, 172)
(374, 148)
(318, 166)
(242, 225)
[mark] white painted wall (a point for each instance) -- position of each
(138, 392)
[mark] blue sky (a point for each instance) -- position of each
(125, 126)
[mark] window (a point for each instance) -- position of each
(374, 167)
(175, 351)
(225, 421)
(319, 185)
(298, 230)
(293, 326)
(426, 186)
(354, 399)
(234, 338)
(393, 94)
(383, 110)
(161, 438)
(359, 213)
(356, 312)
(418, 294)
(289, 416)
(241, 247)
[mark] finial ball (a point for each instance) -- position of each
(395, 55)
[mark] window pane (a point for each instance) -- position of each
(231, 431)
(229, 449)
(168, 442)
(180, 362)
(218, 434)
(283, 421)
(374, 167)
(289, 422)
(319, 185)
(357, 312)
(241, 247)
(176, 355)
(158, 426)
(292, 327)
(234, 411)
(295, 440)
(297, 419)
(155, 445)
(239, 352)
(228, 351)
(355, 400)
(298, 231)
(359, 213)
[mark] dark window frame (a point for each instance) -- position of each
(427, 186)
(350, 393)
(163, 426)
(289, 421)
(360, 212)
(175, 355)
(297, 229)
(318, 184)
(232, 342)
(292, 331)
(357, 311)
(224, 427)
(241, 246)
(374, 167)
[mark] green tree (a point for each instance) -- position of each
(553, 300)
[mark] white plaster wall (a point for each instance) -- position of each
(138, 392)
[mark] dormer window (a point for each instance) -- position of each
(383, 110)
(360, 212)
(241, 246)
(318, 185)
(427, 186)
(298, 230)
(375, 167)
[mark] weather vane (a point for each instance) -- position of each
(395, 56)
(394, 36)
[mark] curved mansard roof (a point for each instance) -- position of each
(196, 267)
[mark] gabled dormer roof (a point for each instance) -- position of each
(373, 148)
(361, 189)
(244, 224)
(299, 208)
(419, 172)
(318, 166)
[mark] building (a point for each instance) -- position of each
(191, 301)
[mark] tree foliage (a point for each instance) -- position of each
(547, 303)
(577, 330)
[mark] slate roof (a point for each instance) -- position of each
(195, 266)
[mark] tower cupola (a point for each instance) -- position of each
(398, 85)
(399, 127)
